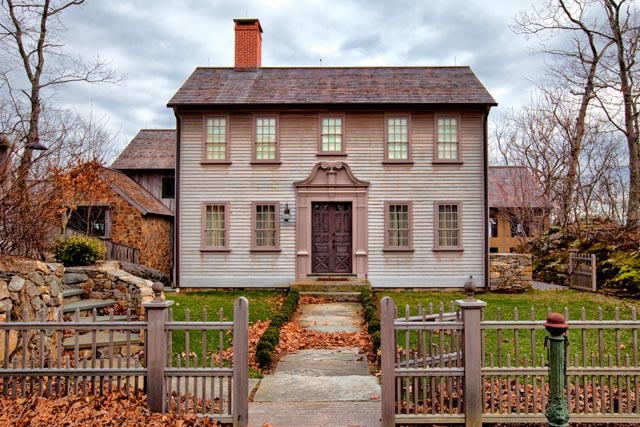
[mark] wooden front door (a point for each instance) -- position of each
(331, 236)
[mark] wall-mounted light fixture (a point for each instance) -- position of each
(287, 213)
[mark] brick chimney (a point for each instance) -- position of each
(248, 44)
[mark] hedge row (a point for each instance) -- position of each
(267, 343)
(371, 316)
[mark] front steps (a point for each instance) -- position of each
(332, 288)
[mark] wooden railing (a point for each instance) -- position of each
(499, 373)
(217, 387)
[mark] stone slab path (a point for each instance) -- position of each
(320, 387)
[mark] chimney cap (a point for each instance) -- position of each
(248, 21)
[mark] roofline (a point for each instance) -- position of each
(339, 67)
(343, 105)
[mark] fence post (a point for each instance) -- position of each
(240, 362)
(388, 354)
(594, 273)
(571, 268)
(156, 349)
(473, 393)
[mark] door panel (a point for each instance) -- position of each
(332, 237)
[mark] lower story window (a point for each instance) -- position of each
(398, 226)
(216, 226)
(448, 226)
(265, 226)
(92, 220)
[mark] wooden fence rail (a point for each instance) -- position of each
(61, 356)
(427, 378)
(582, 271)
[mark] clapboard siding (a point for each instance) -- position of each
(241, 183)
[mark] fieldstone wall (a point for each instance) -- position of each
(32, 289)
(510, 272)
(106, 280)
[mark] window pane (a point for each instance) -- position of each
(266, 138)
(397, 138)
(331, 134)
(216, 139)
(448, 226)
(447, 138)
(265, 225)
(398, 225)
(215, 226)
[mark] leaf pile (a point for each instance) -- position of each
(113, 409)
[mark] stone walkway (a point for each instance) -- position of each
(320, 387)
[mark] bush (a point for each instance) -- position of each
(372, 317)
(79, 250)
(265, 348)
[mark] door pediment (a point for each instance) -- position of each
(331, 174)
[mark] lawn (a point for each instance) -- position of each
(198, 306)
(508, 346)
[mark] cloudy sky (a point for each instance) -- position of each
(158, 43)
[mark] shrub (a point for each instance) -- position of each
(371, 316)
(79, 250)
(265, 348)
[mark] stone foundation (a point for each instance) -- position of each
(510, 272)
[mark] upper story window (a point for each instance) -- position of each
(398, 226)
(266, 147)
(168, 187)
(448, 226)
(331, 134)
(216, 141)
(266, 226)
(447, 137)
(398, 146)
(215, 226)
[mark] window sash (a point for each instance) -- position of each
(447, 139)
(266, 138)
(215, 146)
(448, 232)
(397, 138)
(265, 226)
(215, 226)
(331, 134)
(398, 225)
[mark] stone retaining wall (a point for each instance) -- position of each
(510, 272)
(33, 289)
(106, 280)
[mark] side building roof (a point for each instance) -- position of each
(333, 85)
(149, 149)
(134, 193)
(513, 187)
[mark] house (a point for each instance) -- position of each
(107, 204)
(291, 173)
(517, 208)
(150, 160)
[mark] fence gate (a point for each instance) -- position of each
(582, 271)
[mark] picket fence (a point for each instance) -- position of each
(72, 356)
(440, 368)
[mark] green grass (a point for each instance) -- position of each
(198, 306)
(502, 344)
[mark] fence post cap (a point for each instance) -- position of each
(556, 324)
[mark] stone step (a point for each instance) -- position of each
(88, 304)
(313, 286)
(335, 296)
(102, 340)
(72, 295)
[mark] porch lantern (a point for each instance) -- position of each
(287, 213)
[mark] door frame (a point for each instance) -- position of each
(332, 182)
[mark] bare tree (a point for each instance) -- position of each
(32, 64)
(593, 46)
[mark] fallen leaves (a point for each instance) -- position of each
(115, 409)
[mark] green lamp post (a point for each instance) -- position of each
(557, 411)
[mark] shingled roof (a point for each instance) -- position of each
(513, 187)
(329, 85)
(134, 193)
(149, 149)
